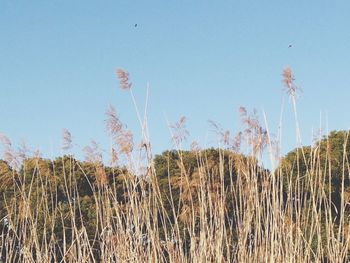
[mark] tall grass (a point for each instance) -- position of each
(228, 210)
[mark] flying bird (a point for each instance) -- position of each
(290, 45)
(135, 25)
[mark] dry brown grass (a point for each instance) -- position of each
(270, 220)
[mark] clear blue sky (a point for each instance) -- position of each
(203, 59)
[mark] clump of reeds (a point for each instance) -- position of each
(220, 207)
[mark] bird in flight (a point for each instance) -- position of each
(135, 25)
(290, 45)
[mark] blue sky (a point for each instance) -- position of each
(202, 59)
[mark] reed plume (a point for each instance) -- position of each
(113, 124)
(179, 131)
(288, 82)
(125, 141)
(66, 139)
(123, 78)
(92, 153)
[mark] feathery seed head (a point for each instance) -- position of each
(113, 157)
(123, 78)
(125, 142)
(66, 139)
(113, 124)
(5, 140)
(288, 82)
(92, 153)
(180, 132)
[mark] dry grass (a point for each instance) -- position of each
(229, 211)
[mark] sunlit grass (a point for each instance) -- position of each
(202, 205)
